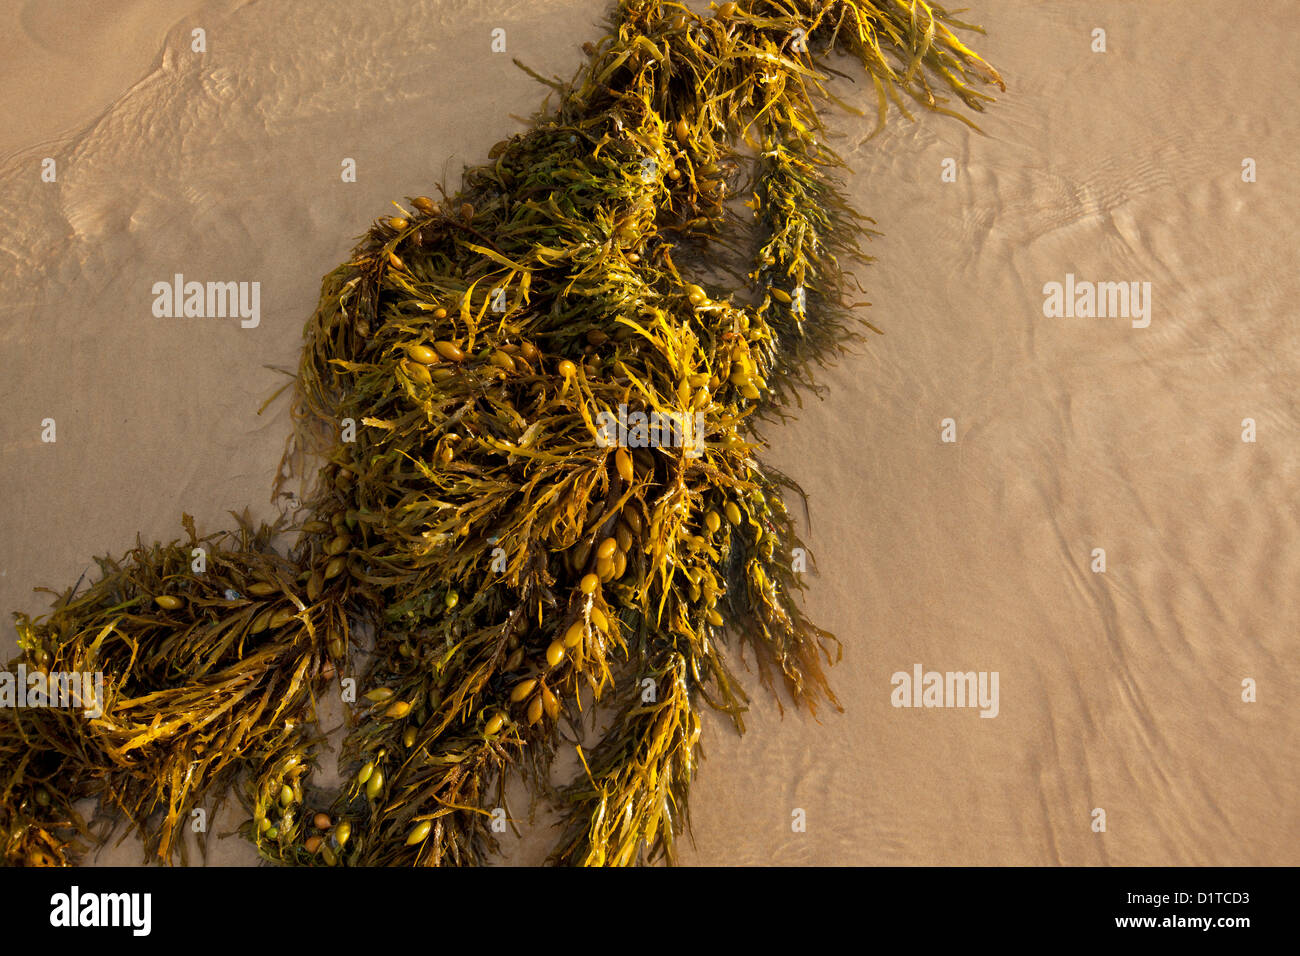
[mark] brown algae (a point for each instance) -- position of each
(512, 566)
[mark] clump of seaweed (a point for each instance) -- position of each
(209, 660)
(536, 404)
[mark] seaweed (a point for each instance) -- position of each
(541, 498)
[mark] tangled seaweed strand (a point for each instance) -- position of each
(512, 557)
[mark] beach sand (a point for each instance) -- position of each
(1119, 691)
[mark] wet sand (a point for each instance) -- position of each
(1118, 690)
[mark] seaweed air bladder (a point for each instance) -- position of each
(475, 551)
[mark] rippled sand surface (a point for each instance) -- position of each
(1119, 691)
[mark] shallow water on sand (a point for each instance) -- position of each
(1119, 691)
